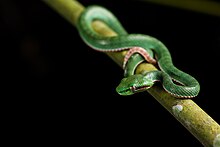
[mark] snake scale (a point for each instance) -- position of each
(140, 48)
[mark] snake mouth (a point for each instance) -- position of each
(132, 90)
(139, 88)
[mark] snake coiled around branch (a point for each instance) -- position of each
(142, 48)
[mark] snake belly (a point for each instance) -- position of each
(123, 41)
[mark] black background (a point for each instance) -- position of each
(57, 83)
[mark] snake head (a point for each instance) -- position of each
(133, 84)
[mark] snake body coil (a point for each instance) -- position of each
(132, 83)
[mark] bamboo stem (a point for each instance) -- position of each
(188, 113)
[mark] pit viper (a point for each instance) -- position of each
(139, 48)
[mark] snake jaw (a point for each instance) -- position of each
(136, 89)
(132, 89)
(124, 91)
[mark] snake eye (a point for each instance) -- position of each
(133, 88)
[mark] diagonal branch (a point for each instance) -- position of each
(188, 113)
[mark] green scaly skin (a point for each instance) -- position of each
(133, 83)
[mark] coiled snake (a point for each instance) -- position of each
(140, 48)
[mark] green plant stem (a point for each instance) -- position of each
(188, 113)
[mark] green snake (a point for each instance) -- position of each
(140, 48)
